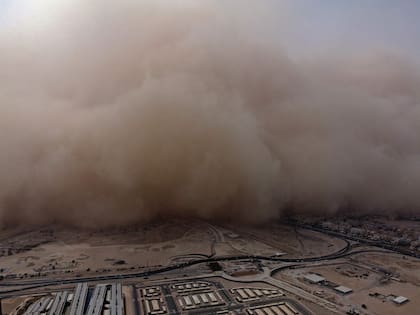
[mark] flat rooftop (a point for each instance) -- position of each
(343, 289)
(400, 299)
(314, 278)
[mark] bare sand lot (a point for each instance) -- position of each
(57, 250)
(9, 305)
(293, 242)
(405, 267)
(372, 289)
(89, 252)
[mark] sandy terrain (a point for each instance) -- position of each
(67, 251)
(55, 250)
(363, 280)
(9, 305)
(295, 243)
(407, 268)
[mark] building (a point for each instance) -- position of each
(400, 300)
(343, 289)
(313, 278)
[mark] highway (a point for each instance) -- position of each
(58, 304)
(346, 251)
(117, 303)
(136, 300)
(28, 285)
(97, 300)
(241, 307)
(77, 306)
(13, 288)
(346, 237)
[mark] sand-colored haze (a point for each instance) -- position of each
(115, 112)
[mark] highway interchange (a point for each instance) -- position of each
(348, 250)
(174, 271)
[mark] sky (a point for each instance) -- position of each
(320, 26)
(340, 24)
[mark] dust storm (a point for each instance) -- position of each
(118, 112)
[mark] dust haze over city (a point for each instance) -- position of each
(209, 143)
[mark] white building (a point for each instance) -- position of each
(400, 300)
(343, 289)
(313, 278)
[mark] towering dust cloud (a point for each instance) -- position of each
(115, 112)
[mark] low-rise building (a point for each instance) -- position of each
(313, 278)
(400, 300)
(343, 289)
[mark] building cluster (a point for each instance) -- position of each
(397, 299)
(197, 294)
(180, 297)
(153, 301)
(255, 294)
(187, 295)
(187, 287)
(374, 230)
(209, 297)
(317, 279)
(281, 308)
(188, 302)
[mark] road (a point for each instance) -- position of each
(136, 300)
(346, 237)
(27, 285)
(267, 278)
(14, 288)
